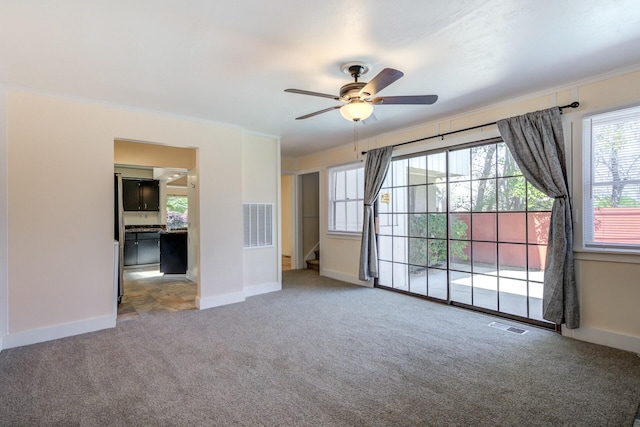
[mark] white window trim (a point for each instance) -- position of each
(330, 205)
(584, 245)
(345, 235)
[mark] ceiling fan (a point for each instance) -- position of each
(359, 96)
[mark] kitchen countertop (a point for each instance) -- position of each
(143, 229)
(173, 231)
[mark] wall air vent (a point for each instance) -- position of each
(258, 224)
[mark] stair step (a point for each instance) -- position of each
(313, 264)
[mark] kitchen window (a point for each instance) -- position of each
(611, 192)
(177, 212)
(346, 198)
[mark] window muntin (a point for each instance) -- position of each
(346, 199)
(611, 184)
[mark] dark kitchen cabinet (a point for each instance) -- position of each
(150, 195)
(173, 253)
(141, 248)
(131, 194)
(148, 248)
(140, 195)
(130, 249)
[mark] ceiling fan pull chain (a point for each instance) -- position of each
(355, 138)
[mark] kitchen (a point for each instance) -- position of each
(151, 228)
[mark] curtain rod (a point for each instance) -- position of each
(442, 135)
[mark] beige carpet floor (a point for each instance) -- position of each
(318, 353)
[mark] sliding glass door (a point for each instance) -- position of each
(464, 226)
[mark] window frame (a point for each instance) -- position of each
(332, 201)
(587, 202)
(404, 262)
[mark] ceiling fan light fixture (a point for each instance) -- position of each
(356, 111)
(358, 96)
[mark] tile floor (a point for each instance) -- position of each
(147, 290)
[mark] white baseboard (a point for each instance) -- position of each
(235, 297)
(1, 344)
(191, 276)
(345, 277)
(55, 332)
(604, 337)
(219, 300)
(263, 288)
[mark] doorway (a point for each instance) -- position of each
(147, 290)
(309, 221)
(287, 188)
(158, 239)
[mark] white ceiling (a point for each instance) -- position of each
(230, 61)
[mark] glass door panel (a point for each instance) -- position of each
(418, 280)
(535, 300)
(538, 227)
(437, 284)
(400, 250)
(385, 248)
(460, 226)
(537, 258)
(484, 227)
(512, 261)
(385, 273)
(418, 252)
(485, 258)
(485, 291)
(400, 277)
(460, 286)
(512, 296)
(417, 170)
(437, 197)
(512, 227)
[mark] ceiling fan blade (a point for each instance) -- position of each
(379, 82)
(306, 92)
(417, 99)
(306, 116)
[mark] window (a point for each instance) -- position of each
(177, 212)
(611, 194)
(258, 225)
(346, 198)
(463, 225)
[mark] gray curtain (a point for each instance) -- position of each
(375, 170)
(536, 142)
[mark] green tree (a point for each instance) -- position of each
(497, 181)
(484, 167)
(177, 204)
(614, 162)
(433, 251)
(177, 212)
